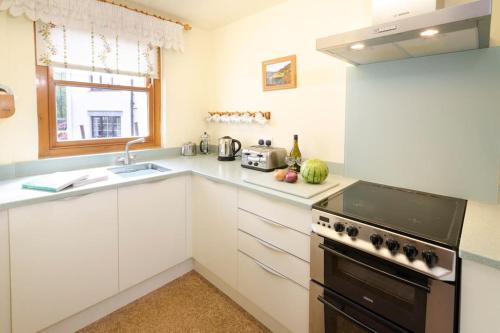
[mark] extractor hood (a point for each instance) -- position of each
(451, 29)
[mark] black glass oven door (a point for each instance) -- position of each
(388, 290)
(340, 315)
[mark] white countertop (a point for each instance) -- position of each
(13, 195)
(480, 240)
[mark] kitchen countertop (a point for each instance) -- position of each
(480, 234)
(480, 240)
(13, 195)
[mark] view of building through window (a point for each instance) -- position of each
(99, 111)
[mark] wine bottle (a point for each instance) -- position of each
(295, 153)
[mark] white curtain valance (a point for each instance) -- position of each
(59, 46)
(101, 18)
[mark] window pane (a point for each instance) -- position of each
(89, 113)
(98, 77)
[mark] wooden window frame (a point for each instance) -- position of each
(48, 146)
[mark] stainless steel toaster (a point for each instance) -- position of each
(263, 158)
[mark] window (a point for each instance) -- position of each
(89, 112)
(106, 126)
(84, 110)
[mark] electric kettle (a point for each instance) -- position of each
(227, 148)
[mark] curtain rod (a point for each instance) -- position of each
(186, 26)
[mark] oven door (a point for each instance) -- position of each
(385, 289)
(333, 313)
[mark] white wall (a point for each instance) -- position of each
(18, 134)
(315, 110)
(184, 89)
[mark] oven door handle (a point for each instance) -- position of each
(414, 284)
(348, 316)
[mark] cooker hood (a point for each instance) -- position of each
(451, 29)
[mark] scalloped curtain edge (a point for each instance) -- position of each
(103, 18)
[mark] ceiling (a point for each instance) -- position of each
(208, 14)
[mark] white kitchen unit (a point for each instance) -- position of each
(275, 233)
(4, 273)
(277, 210)
(152, 229)
(480, 295)
(274, 293)
(289, 265)
(215, 217)
(273, 258)
(64, 258)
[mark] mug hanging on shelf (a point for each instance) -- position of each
(246, 117)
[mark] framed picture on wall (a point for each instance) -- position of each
(279, 73)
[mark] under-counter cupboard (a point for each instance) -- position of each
(65, 253)
(152, 229)
(4, 273)
(214, 227)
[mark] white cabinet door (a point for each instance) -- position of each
(480, 294)
(64, 258)
(152, 229)
(215, 227)
(4, 273)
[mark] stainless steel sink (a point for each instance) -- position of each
(134, 170)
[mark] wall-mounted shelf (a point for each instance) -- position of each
(244, 117)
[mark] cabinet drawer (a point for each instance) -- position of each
(279, 260)
(276, 210)
(284, 300)
(274, 233)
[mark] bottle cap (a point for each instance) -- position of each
(295, 136)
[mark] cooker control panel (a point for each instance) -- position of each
(427, 258)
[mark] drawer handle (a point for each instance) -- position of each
(210, 179)
(72, 197)
(154, 180)
(269, 270)
(269, 246)
(274, 224)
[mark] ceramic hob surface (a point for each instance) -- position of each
(427, 216)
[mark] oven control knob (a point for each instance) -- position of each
(352, 231)
(376, 240)
(338, 227)
(430, 258)
(410, 251)
(392, 245)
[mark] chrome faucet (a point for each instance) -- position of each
(127, 158)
